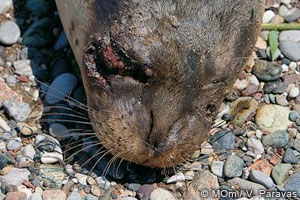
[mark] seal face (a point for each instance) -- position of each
(156, 71)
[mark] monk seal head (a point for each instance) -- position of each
(155, 72)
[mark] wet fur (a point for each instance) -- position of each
(187, 53)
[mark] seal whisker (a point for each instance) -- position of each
(74, 134)
(74, 154)
(96, 154)
(110, 163)
(72, 143)
(65, 114)
(64, 120)
(65, 108)
(99, 160)
(74, 147)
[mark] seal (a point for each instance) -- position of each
(156, 71)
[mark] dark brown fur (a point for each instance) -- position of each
(155, 71)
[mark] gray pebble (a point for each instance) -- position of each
(276, 139)
(223, 140)
(275, 87)
(58, 130)
(290, 156)
(91, 197)
(290, 49)
(61, 42)
(5, 5)
(280, 172)
(74, 196)
(297, 144)
(267, 71)
(291, 15)
(246, 185)
(3, 161)
(255, 146)
(35, 196)
(261, 178)
(294, 115)
(18, 111)
(9, 33)
(15, 176)
(233, 166)
(293, 35)
(217, 168)
(293, 184)
(14, 144)
(134, 186)
(61, 88)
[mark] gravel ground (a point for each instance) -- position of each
(46, 140)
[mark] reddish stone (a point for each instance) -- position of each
(263, 166)
(251, 89)
(274, 160)
(16, 196)
(28, 184)
(7, 94)
(23, 79)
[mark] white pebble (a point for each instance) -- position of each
(253, 80)
(241, 84)
(294, 92)
(285, 68)
(4, 126)
(176, 178)
(268, 15)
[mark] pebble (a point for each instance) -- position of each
(246, 185)
(95, 190)
(82, 179)
(91, 197)
(3, 161)
(74, 196)
(176, 178)
(4, 126)
(261, 178)
(28, 151)
(217, 168)
(5, 5)
(58, 130)
(241, 84)
(281, 100)
(145, 191)
(16, 196)
(293, 184)
(15, 176)
(275, 87)
(276, 139)
(38, 7)
(51, 157)
(290, 49)
(70, 171)
(27, 130)
(61, 42)
(134, 186)
(161, 194)
(23, 67)
(18, 111)
(294, 115)
(280, 172)
(268, 15)
(54, 195)
(9, 33)
(233, 166)
(272, 118)
(241, 109)
(255, 146)
(267, 71)
(36, 196)
(294, 92)
(293, 35)
(223, 140)
(291, 15)
(14, 144)
(290, 156)
(61, 88)
(53, 173)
